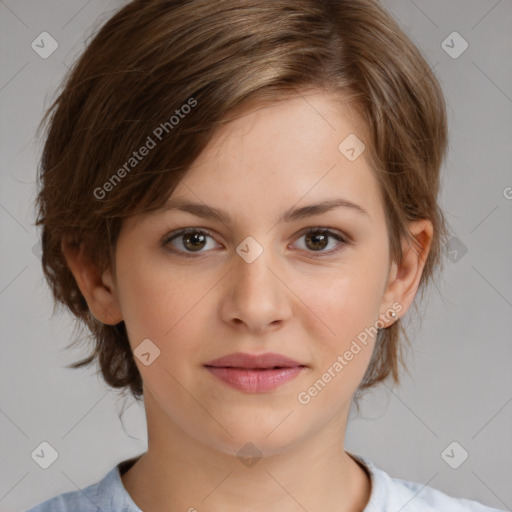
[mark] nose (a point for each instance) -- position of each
(255, 295)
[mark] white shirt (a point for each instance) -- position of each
(388, 494)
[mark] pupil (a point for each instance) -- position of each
(315, 238)
(195, 238)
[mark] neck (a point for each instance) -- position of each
(178, 473)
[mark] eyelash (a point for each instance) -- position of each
(319, 254)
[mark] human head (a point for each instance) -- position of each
(194, 64)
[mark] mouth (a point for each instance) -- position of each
(267, 361)
(255, 373)
(256, 369)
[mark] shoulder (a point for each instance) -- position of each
(106, 495)
(424, 498)
(89, 499)
(83, 500)
(389, 493)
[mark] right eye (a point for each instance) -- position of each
(191, 240)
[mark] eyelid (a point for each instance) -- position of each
(330, 231)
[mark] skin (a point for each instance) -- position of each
(289, 300)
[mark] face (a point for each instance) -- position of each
(257, 283)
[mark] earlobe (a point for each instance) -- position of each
(405, 278)
(97, 287)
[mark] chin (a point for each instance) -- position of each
(254, 438)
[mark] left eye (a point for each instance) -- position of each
(193, 240)
(318, 239)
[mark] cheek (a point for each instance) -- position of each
(159, 304)
(349, 306)
(343, 325)
(148, 298)
(345, 304)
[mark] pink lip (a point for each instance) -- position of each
(243, 360)
(255, 373)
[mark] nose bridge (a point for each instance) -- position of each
(252, 264)
(257, 296)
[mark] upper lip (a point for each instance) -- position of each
(243, 360)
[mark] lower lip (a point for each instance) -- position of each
(255, 381)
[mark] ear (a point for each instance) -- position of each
(97, 288)
(404, 279)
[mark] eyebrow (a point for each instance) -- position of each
(293, 214)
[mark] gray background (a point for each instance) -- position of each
(461, 389)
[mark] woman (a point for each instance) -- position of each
(239, 200)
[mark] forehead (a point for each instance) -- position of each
(300, 147)
(269, 163)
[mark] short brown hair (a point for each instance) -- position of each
(154, 57)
